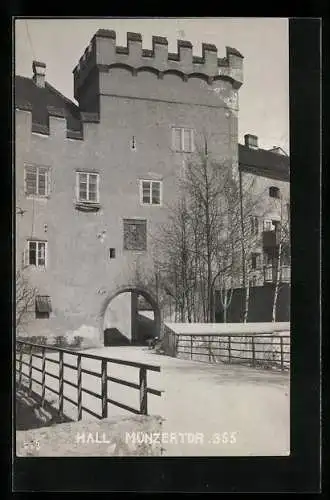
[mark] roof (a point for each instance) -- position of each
(39, 98)
(264, 163)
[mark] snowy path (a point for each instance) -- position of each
(235, 410)
(214, 400)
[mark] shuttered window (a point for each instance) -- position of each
(36, 180)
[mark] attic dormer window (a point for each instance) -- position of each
(274, 192)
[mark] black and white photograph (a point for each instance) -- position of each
(153, 239)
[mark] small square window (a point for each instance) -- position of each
(268, 225)
(274, 192)
(253, 281)
(112, 253)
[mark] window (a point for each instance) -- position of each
(276, 225)
(255, 261)
(43, 306)
(135, 234)
(87, 187)
(36, 180)
(36, 254)
(112, 253)
(274, 192)
(183, 139)
(150, 192)
(269, 260)
(268, 225)
(254, 225)
(253, 281)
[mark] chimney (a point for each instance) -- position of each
(251, 141)
(39, 71)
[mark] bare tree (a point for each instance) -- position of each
(195, 247)
(25, 298)
(206, 242)
(283, 235)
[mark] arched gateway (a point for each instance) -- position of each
(130, 315)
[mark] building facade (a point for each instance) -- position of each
(264, 177)
(95, 179)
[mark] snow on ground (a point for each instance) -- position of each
(235, 410)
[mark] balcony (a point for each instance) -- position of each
(270, 239)
(270, 274)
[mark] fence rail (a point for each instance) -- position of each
(32, 350)
(265, 350)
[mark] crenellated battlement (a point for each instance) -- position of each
(103, 53)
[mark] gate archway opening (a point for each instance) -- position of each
(130, 316)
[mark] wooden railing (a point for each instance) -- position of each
(27, 351)
(275, 351)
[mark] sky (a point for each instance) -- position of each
(264, 43)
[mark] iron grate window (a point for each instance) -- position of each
(43, 306)
(135, 234)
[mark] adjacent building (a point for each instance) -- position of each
(265, 180)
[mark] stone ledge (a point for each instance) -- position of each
(91, 438)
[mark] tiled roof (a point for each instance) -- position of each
(264, 163)
(27, 92)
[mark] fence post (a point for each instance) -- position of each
(79, 387)
(43, 375)
(20, 366)
(253, 353)
(176, 343)
(104, 384)
(191, 346)
(229, 348)
(61, 384)
(282, 360)
(143, 391)
(30, 371)
(209, 344)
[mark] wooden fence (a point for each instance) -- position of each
(28, 351)
(263, 350)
